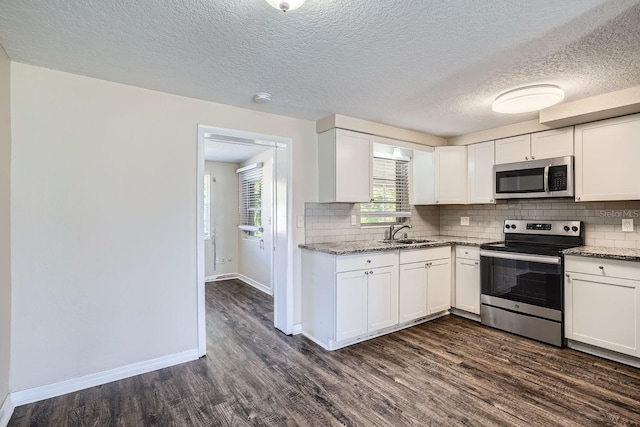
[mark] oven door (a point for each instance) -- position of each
(526, 283)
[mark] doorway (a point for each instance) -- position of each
(271, 239)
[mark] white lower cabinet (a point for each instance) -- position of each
(347, 298)
(413, 291)
(425, 282)
(351, 298)
(351, 305)
(467, 282)
(602, 303)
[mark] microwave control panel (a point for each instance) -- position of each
(558, 178)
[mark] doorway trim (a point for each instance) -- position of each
(282, 283)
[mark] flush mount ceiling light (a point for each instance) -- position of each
(286, 4)
(528, 98)
(262, 98)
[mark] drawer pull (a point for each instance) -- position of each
(366, 273)
(368, 261)
(601, 267)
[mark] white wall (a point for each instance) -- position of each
(5, 239)
(225, 211)
(256, 259)
(103, 209)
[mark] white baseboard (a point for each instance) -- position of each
(297, 329)
(6, 410)
(218, 277)
(69, 386)
(604, 353)
(259, 286)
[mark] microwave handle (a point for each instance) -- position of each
(546, 179)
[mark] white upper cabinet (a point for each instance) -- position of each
(514, 149)
(606, 163)
(344, 166)
(552, 143)
(423, 184)
(480, 169)
(451, 175)
(539, 145)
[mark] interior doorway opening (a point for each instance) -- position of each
(243, 178)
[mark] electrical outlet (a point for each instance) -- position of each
(464, 220)
(353, 219)
(300, 221)
(627, 225)
(222, 260)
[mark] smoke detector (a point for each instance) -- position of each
(285, 5)
(262, 98)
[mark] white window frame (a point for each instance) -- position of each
(402, 200)
(249, 174)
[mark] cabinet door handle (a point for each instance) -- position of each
(371, 272)
(476, 263)
(533, 158)
(568, 275)
(526, 157)
(578, 198)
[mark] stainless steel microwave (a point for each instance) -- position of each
(534, 179)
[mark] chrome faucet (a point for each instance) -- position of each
(393, 230)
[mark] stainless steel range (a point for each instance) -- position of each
(522, 286)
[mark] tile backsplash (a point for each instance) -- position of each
(331, 222)
(603, 220)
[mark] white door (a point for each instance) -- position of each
(451, 175)
(603, 311)
(351, 304)
(480, 168)
(468, 285)
(606, 162)
(423, 178)
(353, 167)
(552, 143)
(438, 285)
(413, 291)
(514, 149)
(382, 298)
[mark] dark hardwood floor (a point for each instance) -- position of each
(451, 371)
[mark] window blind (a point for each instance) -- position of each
(250, 198)
(390, 192)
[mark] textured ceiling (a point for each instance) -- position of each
(429, 65)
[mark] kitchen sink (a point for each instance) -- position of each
(406, 241)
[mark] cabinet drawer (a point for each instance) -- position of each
(468, 252)
(364, 261)
(610, 267)
(419, 255)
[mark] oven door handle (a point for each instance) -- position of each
(544, 259)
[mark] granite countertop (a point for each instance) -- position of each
(605, 252)
(346, 248)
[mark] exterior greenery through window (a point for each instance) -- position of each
(250, 200)
(390, 193)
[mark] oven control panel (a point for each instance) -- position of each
(560, 228)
